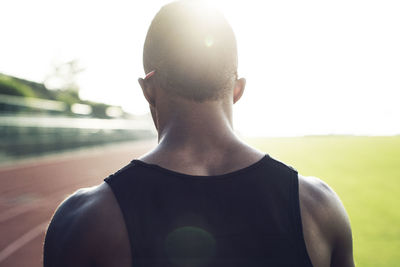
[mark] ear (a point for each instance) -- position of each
(238, 89)
(148, 91)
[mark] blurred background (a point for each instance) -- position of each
(322, 95)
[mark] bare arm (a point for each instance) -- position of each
(65, 243)
(87, 230)
(326, 225)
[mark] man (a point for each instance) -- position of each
(202, 197)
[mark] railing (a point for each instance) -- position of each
(34, 103)
(69, 122)
(32, 135)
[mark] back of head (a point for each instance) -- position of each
(192, 48)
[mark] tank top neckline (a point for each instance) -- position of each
(201, 177)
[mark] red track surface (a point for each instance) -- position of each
(30, 193)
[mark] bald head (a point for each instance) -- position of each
(192, 48)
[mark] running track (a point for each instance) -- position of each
(30, 192)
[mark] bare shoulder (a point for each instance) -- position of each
(85, 229)
(318, 195)
(326, 225)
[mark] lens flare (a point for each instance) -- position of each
(190, 246)
(209, 41)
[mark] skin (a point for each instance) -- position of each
(88, 228)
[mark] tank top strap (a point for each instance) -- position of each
(297, 221)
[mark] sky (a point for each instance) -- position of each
(312, 67)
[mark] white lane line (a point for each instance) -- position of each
(12, 212)
(15, 211)
(22, 240)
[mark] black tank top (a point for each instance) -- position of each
(246, 218)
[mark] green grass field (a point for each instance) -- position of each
(365, 173)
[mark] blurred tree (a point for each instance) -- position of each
(63, 79)
(12, 86)
(64, 76)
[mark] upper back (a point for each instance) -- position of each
(145, 215)
(248, 217)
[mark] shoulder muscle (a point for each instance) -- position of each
(65, 241)
(327, 216)
(69, 237)
(87, 229)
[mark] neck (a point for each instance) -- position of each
(196, 127)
